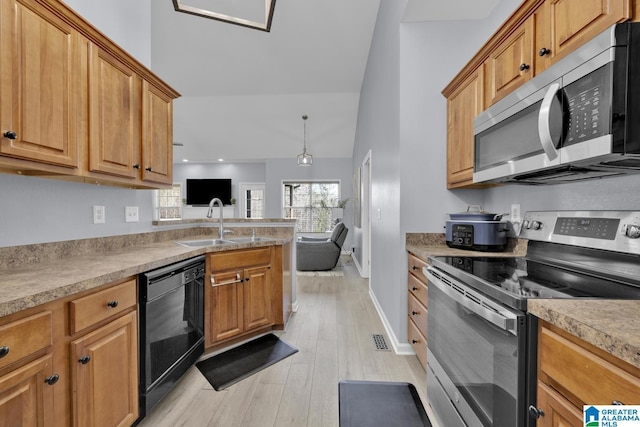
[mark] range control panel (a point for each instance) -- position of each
(596, 228)
(610, 230)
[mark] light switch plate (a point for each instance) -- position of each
(99, 216)
(131, 214)
(515, 213)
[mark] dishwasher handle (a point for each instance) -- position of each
(473, 301)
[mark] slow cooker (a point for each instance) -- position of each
(476, 230)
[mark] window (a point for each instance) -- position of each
(252, 200)
(168, 203)
(310, 203)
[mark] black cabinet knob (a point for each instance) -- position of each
(4, 350)
(413, 267)
(414, 341)
(535, 413)
(113, 304)
(544, 51)
(524, 67)
(413, 313)
(10, 134)
(52, 379)
(414, 289)
(148, 169)
(85, 359)
(136, 166)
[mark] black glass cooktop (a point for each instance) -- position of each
(514, 280)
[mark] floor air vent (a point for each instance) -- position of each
(379, 342)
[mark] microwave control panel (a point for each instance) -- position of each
(588, 106)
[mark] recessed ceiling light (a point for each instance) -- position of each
(185, 160)
(221, 160)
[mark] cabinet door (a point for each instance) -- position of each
(575, 22)
(114, 116)
(157, 135)
(511, 63)
(465, 103)
(558, 412)
(257, 297)
(225, 306)
(105, 375)
(40, 85)
(26, 400)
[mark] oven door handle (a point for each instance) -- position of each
(505, 323)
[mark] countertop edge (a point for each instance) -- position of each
(23, 288)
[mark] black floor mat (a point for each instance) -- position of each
(240, 362)
(380, 404)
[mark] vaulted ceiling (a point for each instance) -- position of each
(244, 90)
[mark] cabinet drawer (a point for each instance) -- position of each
(26, 336)
(415, 267)
(240, 259)
(418, 289)
(418, 342)
(89, 310)
(582, 376)
(418, 313)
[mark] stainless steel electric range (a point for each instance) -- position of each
(481, 341)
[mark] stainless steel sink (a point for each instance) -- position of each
(249, 239)
(203, 242)
(218, 242)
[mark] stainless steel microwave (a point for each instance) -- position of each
(579, 119)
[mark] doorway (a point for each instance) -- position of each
(365, 192)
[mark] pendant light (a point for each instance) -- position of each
(305, 159)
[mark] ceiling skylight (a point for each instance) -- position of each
(248, 13)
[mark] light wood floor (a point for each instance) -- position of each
(332, 330)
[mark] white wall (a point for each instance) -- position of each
(126, 22)
(378, 130)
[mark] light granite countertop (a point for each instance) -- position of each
(612, 325)
(29, 285)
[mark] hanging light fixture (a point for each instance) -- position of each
(305, 159)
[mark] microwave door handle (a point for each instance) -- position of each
(544, 125)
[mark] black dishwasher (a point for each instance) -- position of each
(171, 331)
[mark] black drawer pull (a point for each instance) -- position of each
(544, 51)
(52, 379)
(414, 289)
(535, 413)
(84, 359)
(414, 341)
(524, 67)
(113, 304)
(4, 350)
(10, 134)
(415, 313)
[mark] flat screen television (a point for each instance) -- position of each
(201, 191)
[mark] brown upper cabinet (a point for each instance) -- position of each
(535, 36)
(40, 71)
(75, 105)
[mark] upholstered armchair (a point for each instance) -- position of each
(320, 254)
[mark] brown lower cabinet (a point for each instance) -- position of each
(417, 301)
(573, 373)
(73, 361)
(239, 295)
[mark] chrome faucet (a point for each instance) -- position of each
(210, 214)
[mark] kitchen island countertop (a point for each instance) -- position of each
(29, 285)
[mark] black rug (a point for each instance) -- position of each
(228, 368)
(380, 404)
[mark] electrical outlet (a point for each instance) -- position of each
(131, 214)
(99, 216)
(515, 213)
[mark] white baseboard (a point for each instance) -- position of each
(403, 349)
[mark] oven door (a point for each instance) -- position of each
(477, 356)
